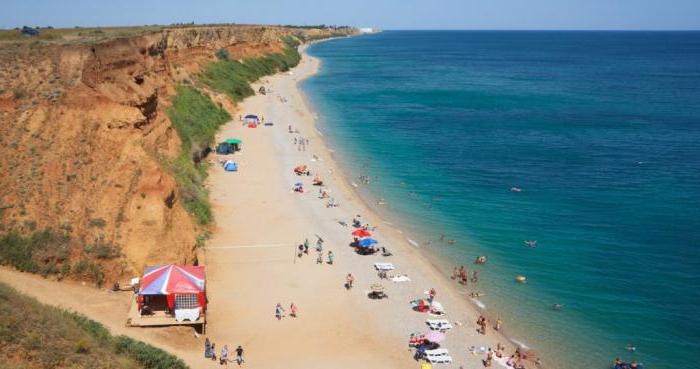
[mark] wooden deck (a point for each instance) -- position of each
(158, 319)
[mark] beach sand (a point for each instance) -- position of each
(252, 265)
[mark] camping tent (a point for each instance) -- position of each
(230, 166)
(182, 286)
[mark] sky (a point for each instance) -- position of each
(384, 14)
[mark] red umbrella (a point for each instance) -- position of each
(361, 233)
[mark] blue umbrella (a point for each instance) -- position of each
(298, 184)
(367, 242)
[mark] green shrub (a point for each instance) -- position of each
(222, 54)
(36, 253)
(196, 119)
(148, 356)
(233, 77)
(36, 336)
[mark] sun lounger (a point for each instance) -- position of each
(438, 324)
(400, 278)
(442, 358)
(437, 352)
(384, 266)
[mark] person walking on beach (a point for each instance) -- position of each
(239, 355)
(489, 358)
(306, 246)
(223, 359)
(279, 311)
(319, 259)
(207, 348)
(330, 257)
(213, 351)
(319, 244)
(348, 281)
(498, 324)
(293, 310)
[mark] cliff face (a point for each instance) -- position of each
(82, 129)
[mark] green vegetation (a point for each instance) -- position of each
(196, 119)
(36, 336)
(41, 252)
(46, 252)
(233, 77)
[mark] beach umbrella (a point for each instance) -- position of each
(434, 336)
(361, 233)
(365, 242)
(298, 184)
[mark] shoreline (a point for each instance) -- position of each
(408, 239)
(262, 187)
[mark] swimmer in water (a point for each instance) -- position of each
(532, 243)
(557, 306)
(630, 347)
(451, 242)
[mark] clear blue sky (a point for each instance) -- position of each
(386, 14)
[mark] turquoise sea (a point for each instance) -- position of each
(600, 130)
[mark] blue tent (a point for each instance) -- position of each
(230, 166)
(365, 242)
(251, 116)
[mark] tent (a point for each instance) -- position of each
(230, 166)
(251, 119)
(224, 149)
(180, 286)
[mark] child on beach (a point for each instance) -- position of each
(330, 257)
(293, 310)
(213, 351)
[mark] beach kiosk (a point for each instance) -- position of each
(170, 295)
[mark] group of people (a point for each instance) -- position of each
(210, 353)
(279, 311)
(301, 143)
(462, 276)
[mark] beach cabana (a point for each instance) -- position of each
(173, 288)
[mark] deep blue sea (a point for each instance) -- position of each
(600, 130)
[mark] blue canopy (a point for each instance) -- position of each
(251, 116)
(367, 242)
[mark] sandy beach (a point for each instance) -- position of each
(252, 263)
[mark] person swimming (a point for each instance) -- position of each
(557, 306)
(531, 243)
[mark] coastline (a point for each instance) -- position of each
(408, 239)
(263, 188)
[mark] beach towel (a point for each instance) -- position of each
(400, 278)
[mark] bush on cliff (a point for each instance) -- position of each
(196, 119)
(33, 335)
(233, 77)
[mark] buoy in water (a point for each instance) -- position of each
(520, 279)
